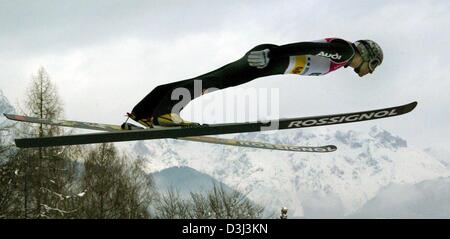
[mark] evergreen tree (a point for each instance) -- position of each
(47, 174)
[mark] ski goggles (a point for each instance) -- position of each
(372, 65)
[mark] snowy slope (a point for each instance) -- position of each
(306, 183)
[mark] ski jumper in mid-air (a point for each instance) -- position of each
(303, 58)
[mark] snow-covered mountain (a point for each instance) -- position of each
(311, 185)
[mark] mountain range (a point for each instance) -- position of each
(334, 185)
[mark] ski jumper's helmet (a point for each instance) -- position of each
(370, 52)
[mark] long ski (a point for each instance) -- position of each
(215, 129)
(203, 139)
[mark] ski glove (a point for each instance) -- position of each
(259, 59)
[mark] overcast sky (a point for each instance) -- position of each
(104, 56)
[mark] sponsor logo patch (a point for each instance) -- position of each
(335, 56)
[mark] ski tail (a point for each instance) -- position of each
(64, 123)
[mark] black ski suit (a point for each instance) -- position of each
(159, 102)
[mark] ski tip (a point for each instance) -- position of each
(331, 148)
(413, 104)
(409, 107)
(320, 149)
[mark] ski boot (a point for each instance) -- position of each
(147, 122)
(173, 120)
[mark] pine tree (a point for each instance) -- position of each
(47, 173)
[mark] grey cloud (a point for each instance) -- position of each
(39, 26)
